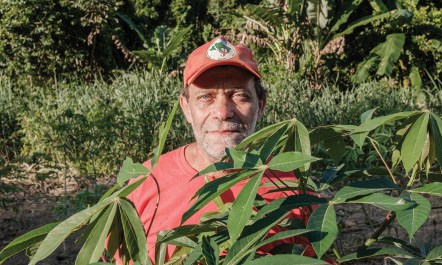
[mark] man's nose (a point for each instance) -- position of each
(224, 108)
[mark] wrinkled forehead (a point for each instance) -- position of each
(224, 77)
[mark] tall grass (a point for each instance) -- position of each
(93, 126)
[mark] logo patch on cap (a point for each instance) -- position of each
(220, 49)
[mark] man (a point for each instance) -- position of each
(222, 99)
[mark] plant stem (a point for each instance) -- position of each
(390, 218)
(156, 204)
(383, 160)
(283, 183)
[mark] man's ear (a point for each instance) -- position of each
(261, 107)
(185, 108)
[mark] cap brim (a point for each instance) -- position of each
(221, 63)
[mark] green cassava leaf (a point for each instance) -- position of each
(185, 230)
(376, 252)
(269, 145)
(389, 52)
(131, 170)
(435, 253)
(242, 207)
(213, 189)
(383, 120)
(251, 235)
(414, 217)
(288, 203)
(282, 235)
(164, 130)
(260, 136)
(325, 229)
(383, 201)
(359, 138)
(242, 159)
(25, 241)
(219, 166)
(328, 176)
(290, 161)
(434, 188)
(129, 211)
(335, 147)
(286, 259)
(414, 142)
(210, 251)
(436, 132)
(94, 246)
(194, 255)
(303, 143)
(363, 187)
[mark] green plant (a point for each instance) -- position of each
(240, 229)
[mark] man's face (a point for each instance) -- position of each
(223, 108)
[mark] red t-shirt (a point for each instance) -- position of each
(174, 175)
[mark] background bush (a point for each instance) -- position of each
(93, 126)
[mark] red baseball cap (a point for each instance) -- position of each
(216, 52)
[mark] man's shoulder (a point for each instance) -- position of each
(169, 157)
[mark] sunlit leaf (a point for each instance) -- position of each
(251, 235)
(359, 138)
(363, 187)
(290, 161)
(94, 245)
(325, 229)
(242, 159)
(411, 219)
(269, 145)
(286, 259)
(242, 207)
(282, 235)
(213, 189)
(434, 188)
(414, 142)
(131, 170)
(138, 231)
(383, 201)
(196, 254)
(258, 137)
(164, 130)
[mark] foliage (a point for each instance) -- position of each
(241, 228)
(45, 39)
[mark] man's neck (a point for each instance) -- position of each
(199, 160)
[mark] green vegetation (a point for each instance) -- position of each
(396, 187)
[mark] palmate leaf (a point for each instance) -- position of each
(376, 252)
(328, 176)
(260, 136)
(131, 170)
(383, 201)
(363, 187)
(290, 161)
(185, 230)
(269, 145)
(335, 148)
(414, 217)
(242, 207)
(245, 244)
(389, 52)
(383, 120)
(242, 159)
(434, 188)
(414, 141)
(25, 241)
(282, 235)
(359, 138)
(303, 143)
(325, 229)
(286, 259)
(213, 189)
(94, 245)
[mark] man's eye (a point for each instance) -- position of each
(204, 97)
(242, 96)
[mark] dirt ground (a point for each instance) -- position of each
(34, 207)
